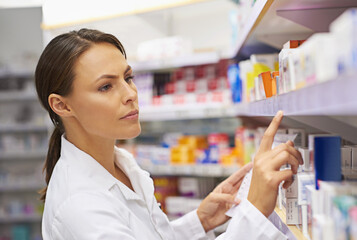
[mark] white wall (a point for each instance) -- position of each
(20, 38)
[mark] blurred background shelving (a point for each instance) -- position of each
(214, 33)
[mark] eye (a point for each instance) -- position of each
(129, 79)
(105, 87)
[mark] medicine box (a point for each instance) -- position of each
(303, 180)
(346, 157)
(293, 211)
(292, 190)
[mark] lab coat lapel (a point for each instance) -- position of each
(140, 180)
(144, 187)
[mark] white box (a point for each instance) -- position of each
(303, 180)
(344, 31)
(329, 190)
(320, 58)
(292, 191)
(322, 228)
(307, 166)
(286, 68)
(293, 211)
(346, 157)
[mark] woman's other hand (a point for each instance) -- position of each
(266, 175)
(211, 211)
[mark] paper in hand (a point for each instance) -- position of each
(242, 192)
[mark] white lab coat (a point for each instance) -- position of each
(84, 201)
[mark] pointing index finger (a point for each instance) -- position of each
(268, 138)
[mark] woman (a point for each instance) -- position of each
(97, 191)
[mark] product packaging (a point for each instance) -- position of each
(346, 157)
(293, 211)
(300, 140)
(235, 82)
(327, 159)
(344, 30)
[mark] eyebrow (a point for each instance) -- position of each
(128, 68)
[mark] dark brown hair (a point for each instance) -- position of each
(55, 74)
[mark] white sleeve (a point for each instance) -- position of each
(249, 223)
(88, 217)
(189, 227)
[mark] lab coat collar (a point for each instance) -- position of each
(88, 166)
(140, 179)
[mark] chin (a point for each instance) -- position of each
(133, 133)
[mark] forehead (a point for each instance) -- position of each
(100, 58)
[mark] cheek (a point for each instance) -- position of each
(95, 113)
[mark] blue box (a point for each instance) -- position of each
(327, 159)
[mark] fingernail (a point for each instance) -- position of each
(279, 113)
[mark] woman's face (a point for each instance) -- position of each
(104, 98)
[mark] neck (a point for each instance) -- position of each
(101, 149)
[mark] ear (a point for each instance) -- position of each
(59, 106)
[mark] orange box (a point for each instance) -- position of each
(267, 82)
(293, 43)
(182, 155)
(196, 142)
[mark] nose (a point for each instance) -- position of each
(128, 93)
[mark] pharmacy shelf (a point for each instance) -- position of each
(180, 61)
(335, 97)
(16, 73)
(11, 96)
(293, 228)
(316, 15)
(200, 170)
(20, 128)
(332, 98)
(257, 13)
(20, 219)
(274, 22)
(21, 188)
(22, 155)
(186, 111)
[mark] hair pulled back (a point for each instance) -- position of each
(55, 74)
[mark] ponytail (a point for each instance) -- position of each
(53, 154)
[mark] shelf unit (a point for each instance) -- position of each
(21, 152)
(22, 128)
(272, 23)
(17, 96)
(172, 19)
(189, 60)
(20, 219)
(335, 97)
(21, 188)
(293, 228)
(189, 111)
(313, 105)
(204, 170)
(24, 155)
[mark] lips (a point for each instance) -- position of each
(131, 115)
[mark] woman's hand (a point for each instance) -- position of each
(211, 211)
(266, 175)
